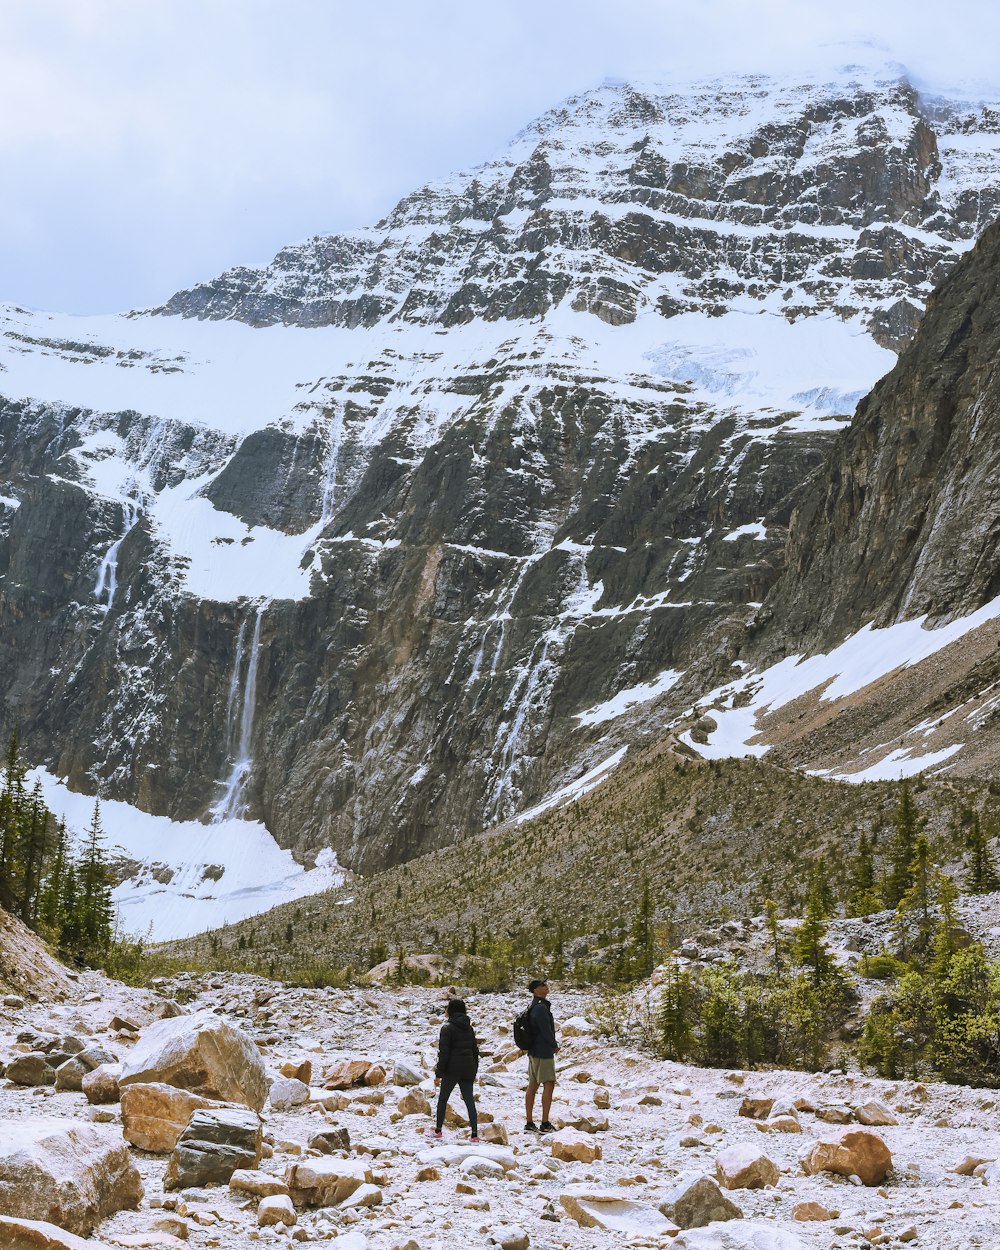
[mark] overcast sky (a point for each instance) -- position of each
(147, 144)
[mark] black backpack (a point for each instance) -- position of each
(524, 1034)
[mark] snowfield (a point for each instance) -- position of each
(189, 876)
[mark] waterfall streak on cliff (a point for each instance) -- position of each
(232, 805)
(107, 572)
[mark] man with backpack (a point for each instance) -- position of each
(541, 1048)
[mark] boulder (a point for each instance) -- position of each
(276, 1209)
(216, 1142)
(329, 1140)
(510, 1237)
(31, 1069)
(325, 1182)
(604, 1208)
(485, 1169)
(696, 1200)
(364, 1196)
(588, 1122)
(287, 1092)
(347, 1073)
(851, 1152)
(738, 1235)
(406, 1073)
(101, 1085)
(66, 1173)
(302, 1071)
(969, 1164)
(495, 1133)
(835, 1113)
(812, 1212)
(414, 1102)
(375, 1075)
(203, 1054)
(576, 1026)
(745, 1167)
(16, 1234)
(756, 1108)
(69, 1075)
(602, 1098)
(256, 1184)
(153, 1116)
(570, 1144)
(450, 1156)
(874, 1114)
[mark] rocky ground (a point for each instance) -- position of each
(654, 1122)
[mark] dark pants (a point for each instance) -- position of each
(468, 1089)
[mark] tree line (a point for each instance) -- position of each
(60, 889)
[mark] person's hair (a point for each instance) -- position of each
(456, 1006)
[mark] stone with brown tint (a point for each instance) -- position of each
(66, 1173)
(851, 1152)
(201, 1053)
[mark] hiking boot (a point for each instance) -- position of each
(546, 1127)
(434, 1132)
(474, 1138)
(531, 1127)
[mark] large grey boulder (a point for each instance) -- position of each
(201, 1053)
(695, 1201)
(66, 1173)
(216, 1143)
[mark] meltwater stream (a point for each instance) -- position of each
(239, 728)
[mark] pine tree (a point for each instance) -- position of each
(675, 1015)
(916, 907)
(981, 875)
(773, 931)
(50, 914)
(907, 824)
(96, 910)
(810, 948)
(863, 896)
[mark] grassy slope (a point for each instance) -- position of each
(712, 839)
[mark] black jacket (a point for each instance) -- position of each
(458, 1050)
(543, 1030)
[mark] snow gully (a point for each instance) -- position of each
(239, 729)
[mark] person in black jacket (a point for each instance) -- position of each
(541, 1058)
(458, 1063)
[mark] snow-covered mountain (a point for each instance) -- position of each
(383, 543)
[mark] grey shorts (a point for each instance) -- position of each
(541, 1071)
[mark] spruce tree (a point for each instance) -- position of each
(863, 896)
(96, 910)
(907, 824)
(810, 949)
(981, 875)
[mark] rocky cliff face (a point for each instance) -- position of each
(904, 519)
(377, 543)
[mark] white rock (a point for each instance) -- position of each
(364, 1196)
(486, 1169)
(451, 1155)
(604, 1208)
(577, 1026)
(738, 1235)
(287, 1092)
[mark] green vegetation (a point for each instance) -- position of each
(62, 895)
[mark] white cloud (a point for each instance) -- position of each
(148, 145)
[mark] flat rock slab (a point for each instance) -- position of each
(738, 1235)
(37, 1235)
(599, 1208)
(65, 1173)
(451, 1155)
(202, 1053)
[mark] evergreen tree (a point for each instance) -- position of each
(96, 910)
(773, 931)
(863, 896)
(810, 949)
(676, 1012)
(907, 824)
(981, 875)
(915, 910)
